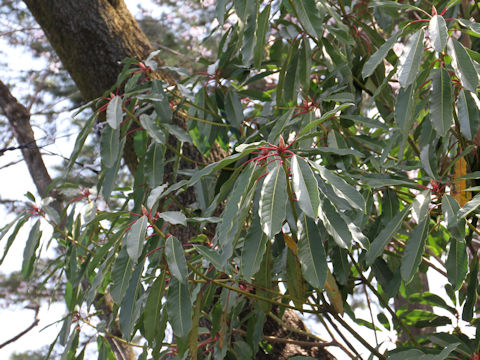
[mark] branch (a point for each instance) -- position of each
(19, 119)
(36, 308)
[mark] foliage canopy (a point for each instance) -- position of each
(352, 130)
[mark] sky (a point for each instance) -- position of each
(15, 182)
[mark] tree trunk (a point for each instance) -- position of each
(91, 38)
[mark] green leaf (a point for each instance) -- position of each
(305, 64)
(463, 65)
(305, 186)
(211, 255)
(273, 201)
(405, 109)
(411, 59)
(154, 164)
(179, 308)
(385, 236)
(21, 221)
(450, 210)
(80, 141)
(109, 146)
(176, 259)
(326, 116)
(308, 14)
(470, 206)
(114, 112)
(262, 32)
(468, 113)
(253, 249)
(155, 195)
(173, 217)
(437, 29)
(30, 249)
(412, 256)
(121, 274)
(472, 287)
(279, 125)
(152, 128)
(161, 103)
(335, 224)
(135, 238)
(111, 175)
(311, 253)
(233, 108)
(428, 298)
(131, 305)
(441, 98)
(379, 55)
(178, 132)
(457, 262)
(341, 187)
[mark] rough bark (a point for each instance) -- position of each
(91, 37)
(19, 120)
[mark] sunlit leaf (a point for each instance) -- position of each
(412, 256)
(305, 187)
(176, 259)
(114, 112)
(273, 201)
(437, 30)
(463, 65)
(109, 146)
(411, 59)
(135, 238)
(253, 249)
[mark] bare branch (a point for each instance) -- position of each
(36, 308)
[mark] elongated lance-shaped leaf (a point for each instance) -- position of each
(341, 187)
(154, 164)
(176, 259)
(379, 55)
(305, 64)
(311, 253)
(131, 306)
(308, 14)
(253, 249)
(179, 307)
(385, 236)
(211, 255)
(153, 307)
(305, 186)
(441, 98)
(411, 59)
(412, 256)
(437, 29)
(136, 237)
(420, 205)
(30, 249)
(468, 113)
(273, 201)
(237, 206)
(463, 65)
(109, 146)
(469, 207)
(121, 274)
(335, 224)
(405, 108)
(472, 286)
(174, 217)
(233, 108)
(114, 112)
(450, 209)
(13, 234)
(152, 128)
(457, 262)
(262, 32)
